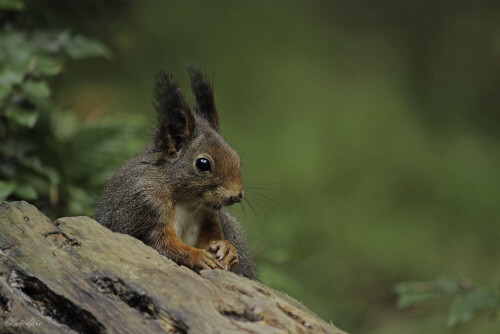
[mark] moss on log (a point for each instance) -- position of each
(76, 276)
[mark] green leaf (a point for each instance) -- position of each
(26, 192)
(9, 78)
(21, 116)
(464, 307)
(80, 47)
(37, 88)
(15, 50)
(6, 188)
(48, 66)
(50, 42)
(411, 293)
(447, 286)
(410, 299)
(12, 4)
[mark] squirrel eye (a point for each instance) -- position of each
(203, 165)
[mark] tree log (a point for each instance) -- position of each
(76, 276)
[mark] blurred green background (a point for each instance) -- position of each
(371, 129)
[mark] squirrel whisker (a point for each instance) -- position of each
(261, 195)
(264, 204)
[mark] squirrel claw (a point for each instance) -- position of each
(206, 260)
(225, 252)
(222, 252)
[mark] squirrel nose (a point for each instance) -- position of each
(236, 199)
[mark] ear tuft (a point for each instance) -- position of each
(204, 95)
(175, 121)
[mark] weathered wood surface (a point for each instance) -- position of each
(75, 276)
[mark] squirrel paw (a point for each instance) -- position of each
(204, 260)
(225, 252)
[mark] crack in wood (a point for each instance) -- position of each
(50, 304)
(6, 250)
(140, 302)
(246, 315)
(62, 240)
(4, 304)
(291, 312)
(116, 287)
(172, 325)
(236, 288)
(262, 291)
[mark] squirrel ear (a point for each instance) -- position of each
(175, 121)
(204, 95)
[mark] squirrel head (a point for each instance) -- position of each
(193, 159)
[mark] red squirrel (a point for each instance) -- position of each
(171, 195)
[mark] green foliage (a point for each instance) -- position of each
(47, 157)
(466, 301)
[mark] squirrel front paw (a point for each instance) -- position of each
(225, 253)
(201, 259)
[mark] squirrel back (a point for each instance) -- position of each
(171, 195)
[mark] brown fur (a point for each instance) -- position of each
(143, 197)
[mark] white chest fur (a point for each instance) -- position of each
(187, 223)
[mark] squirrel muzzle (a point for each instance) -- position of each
(235, 198)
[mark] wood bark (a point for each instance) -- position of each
(76, 276)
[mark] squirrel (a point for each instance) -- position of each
(171, 195)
